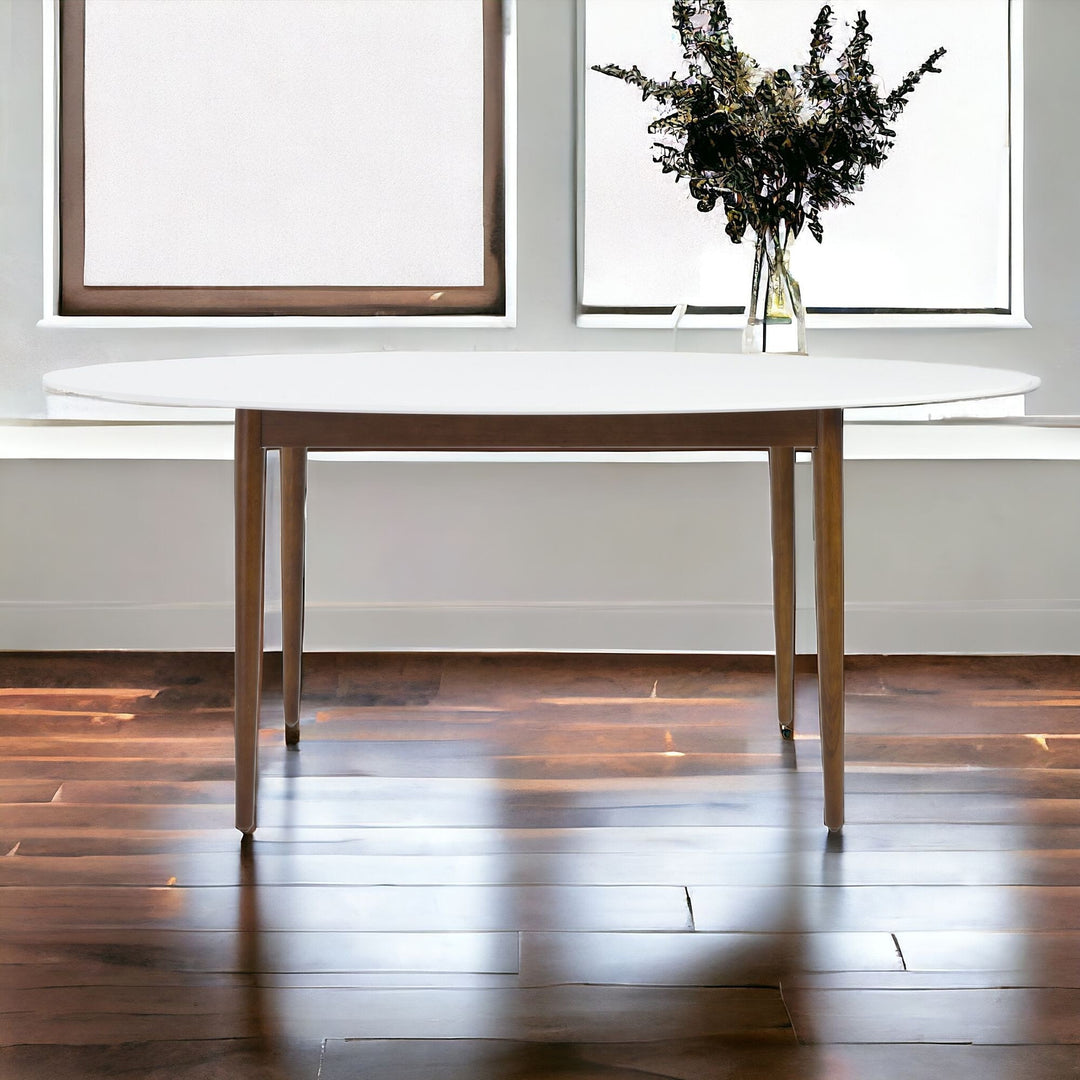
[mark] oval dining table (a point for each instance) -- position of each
(506, 401)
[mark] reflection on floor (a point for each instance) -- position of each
(516, 867)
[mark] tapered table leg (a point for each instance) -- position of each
(782, 493)
(829, 587)
(293, 500)
(249, 496)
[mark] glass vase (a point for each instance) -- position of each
(776, 318)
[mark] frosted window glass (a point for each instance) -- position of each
(930, 229)
(284, 142)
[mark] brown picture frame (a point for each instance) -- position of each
(77, 298)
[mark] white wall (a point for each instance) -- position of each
(956, 556)
(961, 556)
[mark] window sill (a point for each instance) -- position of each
(261, 322)
(923, 321)
(1038, 438)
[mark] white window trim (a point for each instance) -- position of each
(51, 220)
(676, 318)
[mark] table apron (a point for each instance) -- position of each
(653, 431)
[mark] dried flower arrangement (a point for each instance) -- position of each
(774, 149)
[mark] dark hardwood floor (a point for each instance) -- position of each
(518, 867)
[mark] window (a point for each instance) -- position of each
(933, 239)
(238, 157)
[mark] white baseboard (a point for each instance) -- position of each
(1035, 627)
(559, 626)
(78, 625)
(1044, 627)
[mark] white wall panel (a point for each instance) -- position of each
(497, 555)
(246, 142)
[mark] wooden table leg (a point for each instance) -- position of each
(782, 494)
(293, 502)
(249, 498)
(829, 588)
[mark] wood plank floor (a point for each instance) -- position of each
(516, 867)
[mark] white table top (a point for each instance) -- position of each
(537, 383)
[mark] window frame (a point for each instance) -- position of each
(691, 317)
(69, 301)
